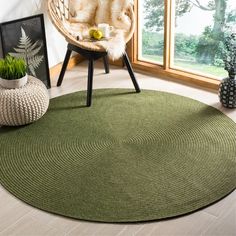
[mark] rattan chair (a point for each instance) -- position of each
(59, 14)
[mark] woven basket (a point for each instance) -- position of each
(59, 14)
(23, 105)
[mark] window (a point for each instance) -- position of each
(151, 31)
(194, 33)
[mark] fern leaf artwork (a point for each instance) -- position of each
(29, 51)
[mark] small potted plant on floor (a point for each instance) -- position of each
(227, 91)
(13, 72)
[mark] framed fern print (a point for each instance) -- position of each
(25, 38)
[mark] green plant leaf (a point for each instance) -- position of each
(12, 68)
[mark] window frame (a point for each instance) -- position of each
(165, 71)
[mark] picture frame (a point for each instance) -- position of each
(26, 38)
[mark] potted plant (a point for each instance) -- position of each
(13, 72)
(227, 91)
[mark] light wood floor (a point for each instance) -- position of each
(17, 218)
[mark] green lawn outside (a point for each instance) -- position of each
(203, 68)
(153, 58)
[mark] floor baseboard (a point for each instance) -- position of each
(74, 60)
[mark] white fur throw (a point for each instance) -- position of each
(87, 13)
(115, 47)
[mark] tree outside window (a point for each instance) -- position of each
(199, 31)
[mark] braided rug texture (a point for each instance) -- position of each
(23, 105)
(130, 157)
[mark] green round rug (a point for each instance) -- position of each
(130, 157)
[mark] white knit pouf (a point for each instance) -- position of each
(23, 105)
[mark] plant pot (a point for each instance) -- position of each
(15, 83)
(227, 92)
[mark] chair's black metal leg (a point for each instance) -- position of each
(106, 64)
(131, 72)
(64, 66)
(90, 83)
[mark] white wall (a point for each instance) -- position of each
(15, 9)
